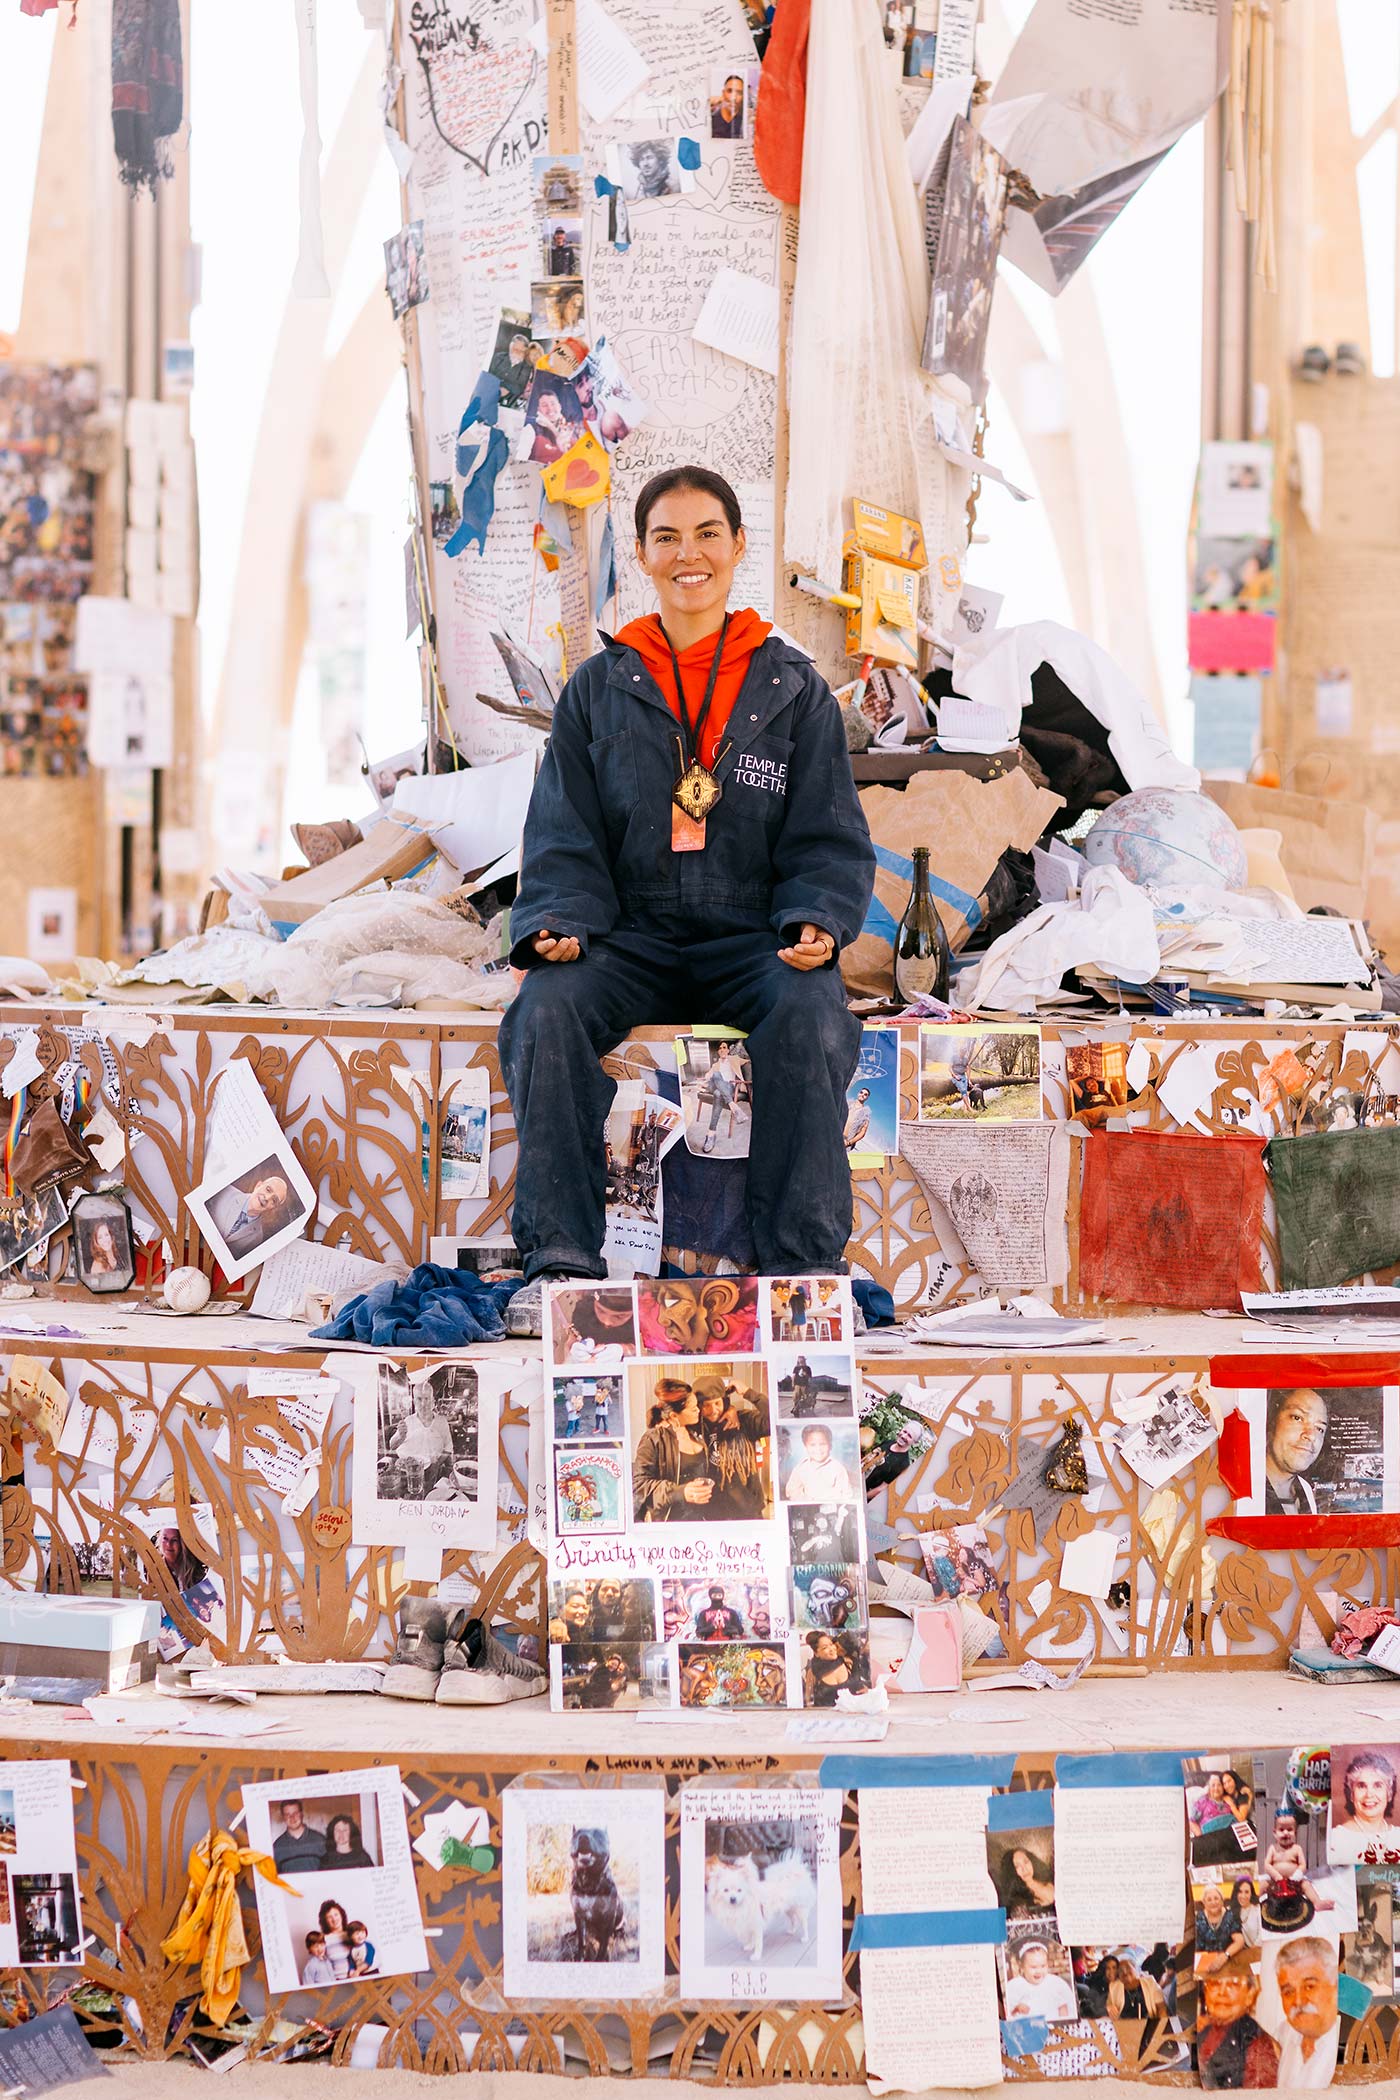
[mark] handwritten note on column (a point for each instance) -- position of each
(740, 317)
(1118, 1865)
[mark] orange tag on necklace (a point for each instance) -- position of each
(687, 833)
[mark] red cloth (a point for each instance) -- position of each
(1166, 1220)
(746, 633)
(781, 111)
(1232, 1461)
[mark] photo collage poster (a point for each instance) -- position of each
(707, 1529)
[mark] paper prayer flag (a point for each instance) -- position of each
(1337, 1194)
(1169, 1220)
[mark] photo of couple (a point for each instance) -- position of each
(700, 1443)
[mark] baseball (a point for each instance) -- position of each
(186, 1290)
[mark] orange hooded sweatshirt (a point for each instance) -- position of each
(746, 633)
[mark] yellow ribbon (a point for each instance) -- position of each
(209, 1929)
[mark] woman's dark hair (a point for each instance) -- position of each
(703, 480)
(331, 1904)
(351, 1825)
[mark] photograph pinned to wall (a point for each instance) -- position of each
(1037, 1975)
(553, 416)
(828, 1599)
(44, 1921)
(733, 94)
(700, 1438)
(964, 275)
(818, 1462)
(602, 1609)
(592, 1323)
(1321, 1450)
(807, 1310)
(584, 1891)
(104, 1254)
(425, 1454)
(760, 1893)
(1168, 1440)
(716, 1094)
(640, 1130)
(1234, 576)
(557, 308)
(833, 1663)
(255, 1196)
(29, 1222)
(758, 19)
(556, 182)
(1098, 1082)
(589, 1489)
(1368, 1954)
(698, 1316)
(513, 359)
(46, 548)
(1021, 1854)
(822, 1534)
(51, 921)
(980, 1072)
(715, 1607)
(609, 1676)
(893, 703)
(353, 1912)
(464, 1132)
(1235, 489)
(872, 1098)
(406, 269)
(733, 1673)
(1299, 2004)
(589, 1404)
(610, 401)
(813, 1382)
(1222, 1813)
(1363, 1826)
(645, 169)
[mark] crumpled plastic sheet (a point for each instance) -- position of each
(380, 947)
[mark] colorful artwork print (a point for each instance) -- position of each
(736, 1673)
(588, 1488)
(703, 1316)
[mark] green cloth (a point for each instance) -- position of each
(1337, 1195)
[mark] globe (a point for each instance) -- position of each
(1168, 836)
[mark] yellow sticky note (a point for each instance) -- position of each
(582, 476)
(858, 1162)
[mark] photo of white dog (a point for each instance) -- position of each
(760, 1893)
(762, 1911)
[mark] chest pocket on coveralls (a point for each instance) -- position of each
(757, 785)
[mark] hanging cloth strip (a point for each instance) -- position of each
(147, 88)
(209, 1929)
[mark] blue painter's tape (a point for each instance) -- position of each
(1353, 1996)
(849, 1773)
(603, 188)
(929, 1928)
(1030, 1811)
(1025, 2036)
(880, 923)
(688, 154)
(1122, 1768)
(900, 864)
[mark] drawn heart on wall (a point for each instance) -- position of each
(473, 93)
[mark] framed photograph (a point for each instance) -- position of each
(761, 1893)
(342, 1840)
(583, 1891)
(1322, 1450)
(104, 1252)
(425, 1458)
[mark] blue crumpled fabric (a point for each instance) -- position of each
(433, 1308)
(874, 1301)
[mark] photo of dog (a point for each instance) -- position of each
(749, 1906)
(583, 1891)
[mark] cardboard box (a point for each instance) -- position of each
(884, 557)
(393, 850)
(109, 1639)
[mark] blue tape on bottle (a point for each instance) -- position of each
(928, 1928)
(1123, 1768)
(1033, 1811)
(850, 1773)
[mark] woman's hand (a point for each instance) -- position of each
(812, 949)
(697, 1490)
(552, 947)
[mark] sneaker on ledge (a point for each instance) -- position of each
(416, 1663)
(524, 1314)
(479, 1670)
